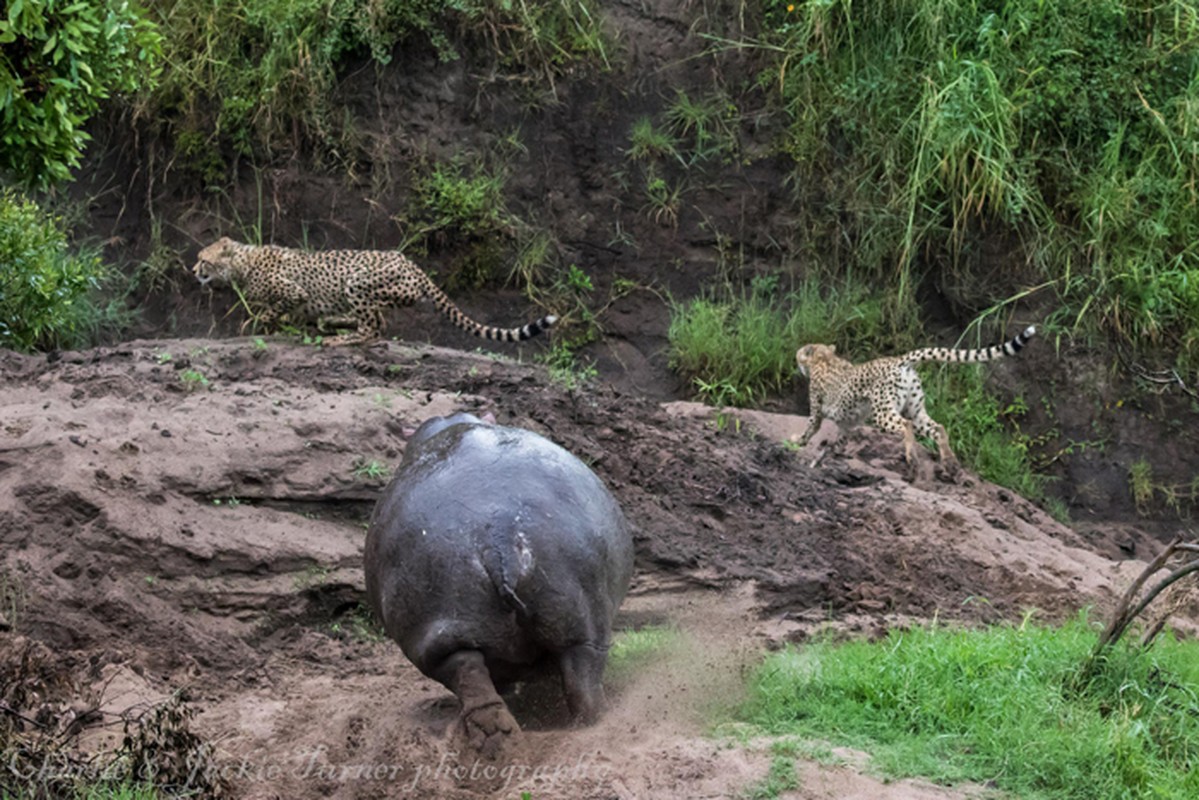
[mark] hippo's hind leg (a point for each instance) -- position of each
(582, 680)
(485, 719)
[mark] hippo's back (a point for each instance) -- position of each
(496, 539)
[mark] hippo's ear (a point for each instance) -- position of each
(489, 418)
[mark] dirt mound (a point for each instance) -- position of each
(195, 511)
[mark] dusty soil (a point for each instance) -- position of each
(188, 516)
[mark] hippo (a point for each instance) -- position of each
(492, 555)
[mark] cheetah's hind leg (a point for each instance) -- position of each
(369, 326)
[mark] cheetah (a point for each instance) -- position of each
(343, 287)
(885, 391)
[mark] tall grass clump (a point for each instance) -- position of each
(47, 289)
(1067, 128)
(257, 77)
(736, 348)
(999, 705)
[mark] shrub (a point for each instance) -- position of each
(44, 286)
(59, 60)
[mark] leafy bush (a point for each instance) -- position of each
(44, 287)
(59, 60)
(1067, 126)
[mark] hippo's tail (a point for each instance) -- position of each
(507, 559)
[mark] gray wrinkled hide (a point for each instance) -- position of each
(495, 542)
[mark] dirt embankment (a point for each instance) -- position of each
(189, 515)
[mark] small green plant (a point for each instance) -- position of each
(647, 143)
(161, 266)
(162, 357)
(193, 379)
(565, 369)
(259, 344)
(780, 778)
(360, 625)
(706, 127)
(314, 575)
(1140, 483)
(664, 199)
(369, 470)
(12, 599)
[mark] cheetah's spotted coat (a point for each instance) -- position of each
(339, 286)
(885, 391)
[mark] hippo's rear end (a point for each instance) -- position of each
(494, 552)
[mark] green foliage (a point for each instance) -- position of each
(997, 705)
(705, 128)
(58, 60)
(647, 142)
(454, 199)
(257, 76)
(740, 348)
(459, 204)
(193, 380)
(957, 397)
(372, 470)
(633, 649)
(1140, 483)
(96, 791)
(781, 778)
(1068, 126)
(565, 368)
(45, 288)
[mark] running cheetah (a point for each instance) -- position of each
(339, 286)
(885, 391)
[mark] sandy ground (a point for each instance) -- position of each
(187, 516)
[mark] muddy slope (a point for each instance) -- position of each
(189, 514)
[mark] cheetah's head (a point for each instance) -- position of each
(811, 354)
(215, 262)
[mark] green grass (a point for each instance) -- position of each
(633, 649)
(1066, 128)
(258, 77)
(997, 705)
(99, 791)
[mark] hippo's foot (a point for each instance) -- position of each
(582, 675)
(485, 719)
(489, 728)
